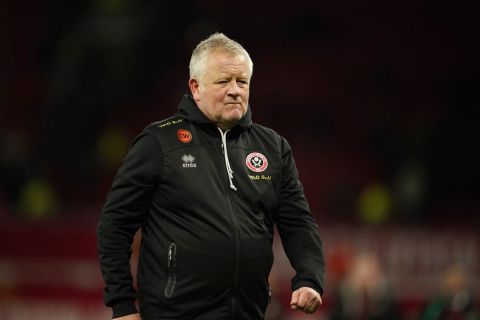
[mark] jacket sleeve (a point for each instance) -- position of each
(298, 229)
(125, 208)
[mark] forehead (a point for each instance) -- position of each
(221, 61)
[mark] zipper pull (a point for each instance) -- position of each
(170, 255)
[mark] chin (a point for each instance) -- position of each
(235, 115)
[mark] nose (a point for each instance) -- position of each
(233, 89)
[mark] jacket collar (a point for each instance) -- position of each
(188, 109)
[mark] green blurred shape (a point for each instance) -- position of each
(375, 204)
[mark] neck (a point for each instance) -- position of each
(224, 126)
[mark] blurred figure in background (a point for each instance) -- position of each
(364, 293)
(455, 299)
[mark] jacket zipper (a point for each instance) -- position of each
(230, 190)
(171, 266)
(237, 252)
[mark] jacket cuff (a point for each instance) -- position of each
(304, 283)
(124, 308)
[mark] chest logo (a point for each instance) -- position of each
(184, 136)
(256, 162)
(188, 161)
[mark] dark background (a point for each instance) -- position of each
(379, 100)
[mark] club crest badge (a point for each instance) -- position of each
(184, 136)
(256, 162)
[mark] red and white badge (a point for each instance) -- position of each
(256, 162)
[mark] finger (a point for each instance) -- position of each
(308, 311)
(303, 298)
(313, 302)
(294, 300)
(310, 307)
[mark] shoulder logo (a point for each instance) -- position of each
(256, 162)
(184, 136)
(188, 161)
(167, 122)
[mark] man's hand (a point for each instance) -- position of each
(134, 316)
(305, 299)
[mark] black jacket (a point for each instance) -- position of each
(206, 250)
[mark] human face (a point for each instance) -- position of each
(222, 95)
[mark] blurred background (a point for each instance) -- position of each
(379, 100)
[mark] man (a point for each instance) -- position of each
(206, 187)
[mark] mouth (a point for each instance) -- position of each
(233, 104)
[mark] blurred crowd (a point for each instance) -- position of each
(364, 292)
(380, 103)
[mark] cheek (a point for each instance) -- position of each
(245, 93)
(245, 97)
(220, 95)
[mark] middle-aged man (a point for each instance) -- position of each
(206, 187)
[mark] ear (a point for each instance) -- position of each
(194, 88)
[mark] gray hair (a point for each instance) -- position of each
(217, 41)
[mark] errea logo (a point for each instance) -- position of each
(188, 161)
